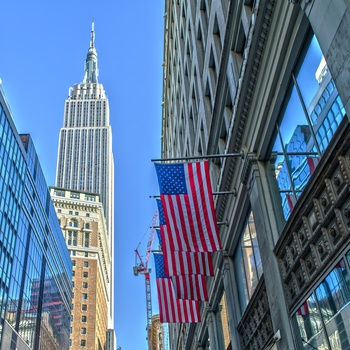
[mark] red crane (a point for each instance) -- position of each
(141, 268)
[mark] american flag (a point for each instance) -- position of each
(171, 309)
(188, 206)
(191, 287)
(312, 163)
(304, 309)
(187, 263)
(159, 238)
(291, 201)
(161, 216)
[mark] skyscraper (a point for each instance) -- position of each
(85, 159)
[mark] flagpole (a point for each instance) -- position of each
(218, 223)
(228, 155)
(214, 194)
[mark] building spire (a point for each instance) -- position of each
(91, 70)
(92, 40)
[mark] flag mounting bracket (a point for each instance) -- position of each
(208, 156)
(223, 223)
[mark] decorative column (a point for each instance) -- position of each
(260, 181)
(216, 337)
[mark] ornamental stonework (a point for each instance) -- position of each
(255, 328)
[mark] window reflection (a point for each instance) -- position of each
(247, 263)
(322, 321)
(311, 114)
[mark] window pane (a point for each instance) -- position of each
(326, 313)
(294, 117)
(248, 264)
(309, 318)
(309, 71)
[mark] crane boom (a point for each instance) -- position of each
(142, 268)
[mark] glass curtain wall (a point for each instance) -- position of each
(311, 113)
(323, 320)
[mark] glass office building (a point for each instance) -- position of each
(35, 266)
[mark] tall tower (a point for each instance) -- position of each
(85, 158)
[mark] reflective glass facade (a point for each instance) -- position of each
(323, 320)
(35, 267)
(312, 113)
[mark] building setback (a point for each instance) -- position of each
(85, 159)
(35, 273)
(84, 229)
(267, 80)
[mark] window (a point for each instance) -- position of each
(87, 225)
(74, 195)
(83, 343)
(73, 262)
(70, 236)
(70, 212)
(74, 253)
(87, 215)
(311, 113)
(76, 213)
(85, 274)
(321, 320)
(86, 239)
(248, 267)
(59, 210)
(90, 198)
(86, 254)
(59, 193)
(73, 273)
(86, 264)
(85, 285)
(83, 307)
(83, 330)
(83, 319)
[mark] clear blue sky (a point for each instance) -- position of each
(42, 53)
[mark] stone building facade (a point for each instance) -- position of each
(83, 226)
(266, 83)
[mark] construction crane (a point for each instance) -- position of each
(141, 268)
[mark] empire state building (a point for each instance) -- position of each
(85, 159)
